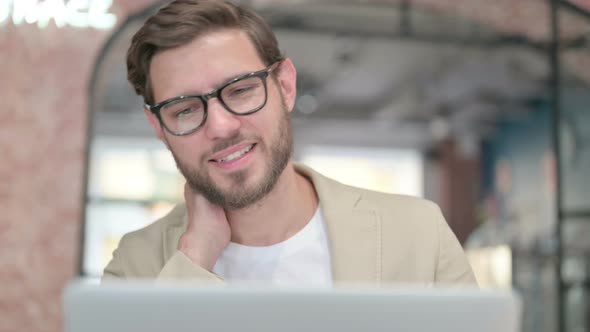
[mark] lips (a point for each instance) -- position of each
(236, 154)
(233, 153)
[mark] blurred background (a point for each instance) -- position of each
(478, 105)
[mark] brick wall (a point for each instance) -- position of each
(44, 75)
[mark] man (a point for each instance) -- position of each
(218, 93)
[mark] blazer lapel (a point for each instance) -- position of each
(354, 231)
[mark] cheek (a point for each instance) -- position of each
(187, 149)
(263, 128)
(267, 120)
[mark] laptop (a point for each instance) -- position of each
(150, 307)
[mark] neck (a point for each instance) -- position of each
(279, 215)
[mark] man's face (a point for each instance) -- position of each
(232, 160)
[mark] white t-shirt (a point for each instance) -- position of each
(303, 259)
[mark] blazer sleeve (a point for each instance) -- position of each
(452, 266)
(135, 259)
(180, 267)
(115, 269)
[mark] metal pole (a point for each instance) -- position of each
(555, 129)
(405, 18)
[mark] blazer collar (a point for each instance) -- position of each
(177, 226)
(353, 226)
(354, 230)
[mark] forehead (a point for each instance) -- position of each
(203, 64)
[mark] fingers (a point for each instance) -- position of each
(208, 231)
(199, 207)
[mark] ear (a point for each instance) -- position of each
(155, 123)
(287, 76)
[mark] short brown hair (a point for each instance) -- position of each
(182, 21)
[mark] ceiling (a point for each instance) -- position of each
(374, 66)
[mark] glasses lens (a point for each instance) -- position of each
(245, 95)
(183, 115)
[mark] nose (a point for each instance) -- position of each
(220, 122)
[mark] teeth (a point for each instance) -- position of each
(236, 154)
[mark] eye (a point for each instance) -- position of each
(242, 90)
(186, 112)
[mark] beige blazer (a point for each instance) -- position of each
(374, 238)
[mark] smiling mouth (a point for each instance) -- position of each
(234, 156)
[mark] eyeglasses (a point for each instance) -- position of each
(242, 95)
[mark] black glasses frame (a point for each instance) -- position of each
(263, 74)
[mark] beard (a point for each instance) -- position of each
(241, 195)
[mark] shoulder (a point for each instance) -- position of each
(152, 233)
(142, 253)
(413, 214)
(403, 207)
(381, 200)
(145, 251)
(392, 208)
